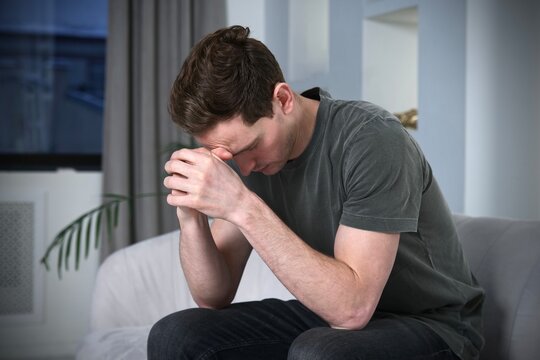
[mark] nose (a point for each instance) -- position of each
(246, 165)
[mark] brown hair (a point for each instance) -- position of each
(226, 74)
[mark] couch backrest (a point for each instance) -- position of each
(504, 255)
(138, 285)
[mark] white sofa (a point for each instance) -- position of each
(140, 284)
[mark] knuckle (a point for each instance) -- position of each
(177, 153)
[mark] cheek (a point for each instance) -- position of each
(272, 148)
(242, 158)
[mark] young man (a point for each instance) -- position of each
(337, 199)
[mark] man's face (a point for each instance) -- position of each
(265, 146)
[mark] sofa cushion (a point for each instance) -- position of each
(504, 255)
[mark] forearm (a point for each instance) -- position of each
(343, 290)
(327, 286)
(204, 267)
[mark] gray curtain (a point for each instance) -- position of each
(147, 43)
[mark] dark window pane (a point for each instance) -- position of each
(52, 68)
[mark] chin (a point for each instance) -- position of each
(271, 169)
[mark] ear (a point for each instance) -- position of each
(285, 97)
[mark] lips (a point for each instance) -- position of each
(260, 168)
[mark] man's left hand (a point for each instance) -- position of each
(204, 182)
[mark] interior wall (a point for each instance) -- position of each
(440, 84)
(503, 115)
(390, 75)
(478, 91)
(248, 13)
(64, 303)
(346, 29)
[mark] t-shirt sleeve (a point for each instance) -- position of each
(383, 179)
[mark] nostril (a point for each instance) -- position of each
(246, 167)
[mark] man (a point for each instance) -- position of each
(337, 199)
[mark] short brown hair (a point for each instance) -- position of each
(226, 74)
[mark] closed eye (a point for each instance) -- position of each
(249, 147)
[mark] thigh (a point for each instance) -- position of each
(390, 338)
(253, 330)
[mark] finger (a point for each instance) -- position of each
(178, 167)
(179, 183)
(176, 191)
(222, 154)
(179, 200)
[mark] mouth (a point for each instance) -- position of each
(269, 169)
(260, 168)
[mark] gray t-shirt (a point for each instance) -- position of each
(364, 170)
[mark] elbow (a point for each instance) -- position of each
(215, 303)
(356, 319)
(212, 305)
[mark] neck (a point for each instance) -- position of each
(304, 124)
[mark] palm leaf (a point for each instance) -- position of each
(116, 213)
(60, 253)
(97, 233)
(78, 244)
(108, 214)
(69, 239)
(73, 234)
(87, 237)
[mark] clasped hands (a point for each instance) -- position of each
(200, 180)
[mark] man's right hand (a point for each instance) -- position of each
(185, 214)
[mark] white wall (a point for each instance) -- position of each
(248, 13)
(64, 304)
(308, 39)
(503, 113)
(297, 33)
(345, 76)
(478, 90)
(390, 62)
(440, 83)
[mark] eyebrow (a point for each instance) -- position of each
(247, 147)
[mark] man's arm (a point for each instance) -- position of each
(343, 290)
(212, 260)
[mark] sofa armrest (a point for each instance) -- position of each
(504, 255)
(138, 285)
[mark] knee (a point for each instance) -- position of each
(320, 344)
(307, 346)
(174, 336)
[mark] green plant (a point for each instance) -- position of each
(88, 227)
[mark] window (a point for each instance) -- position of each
(52, 72)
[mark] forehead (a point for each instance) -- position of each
(230, 134)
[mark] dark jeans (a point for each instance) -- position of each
(274, 329)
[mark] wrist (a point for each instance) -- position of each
(189, 217)
(251, 208)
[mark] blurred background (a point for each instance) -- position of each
(471, 68)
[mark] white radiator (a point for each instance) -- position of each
(22, 234)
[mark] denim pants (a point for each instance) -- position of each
(274, 329)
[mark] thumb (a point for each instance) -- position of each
(222, 154)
